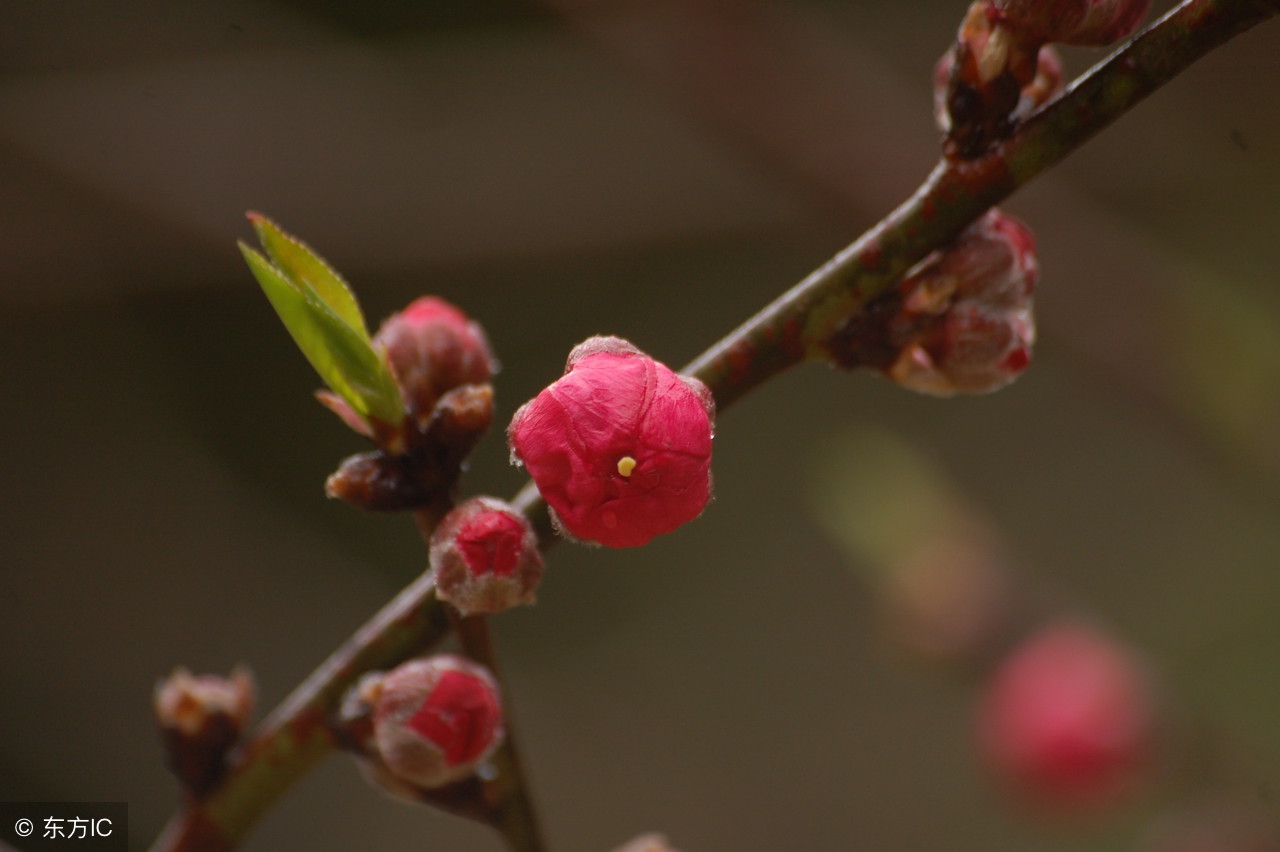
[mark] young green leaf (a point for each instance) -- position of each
(299, 263)
(341, 354)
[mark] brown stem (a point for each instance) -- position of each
(507, 792)
(296, 736)
(798, 326)
(800, 323)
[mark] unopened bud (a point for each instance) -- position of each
(378, 481)
(1050, 79)
(434, 720)
(485, 557)
(619, 446)
(967, 324)
(382, 481)
(1068, 719)
(432, 348)
(201, 719)
(960, 104)
(961, 321)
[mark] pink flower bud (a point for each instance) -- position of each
(966, 322)
(619, 446)
(1068, 718)
(435, 719)
(486, 559)
(201, 719)
(432, 348)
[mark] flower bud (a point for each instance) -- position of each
(435, 719)
(485, 557)
(961, 321)
(1068, 718)
(619, 446)
(432, 347)
(966, 322)
(201, 719)
(1050, 79)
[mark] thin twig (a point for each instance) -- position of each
(507, 792)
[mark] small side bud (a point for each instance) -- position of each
(619, 446)
(978, 83)
(1050, 79)
(202, 718)
(959, 322)
(459, 421)
(648, 843)
(485, 557)
(434, 720)
(432, 348)
(378, 481)
(1068, 719)
(382, 481)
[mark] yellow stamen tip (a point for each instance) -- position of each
(626, 464)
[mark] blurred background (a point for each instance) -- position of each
(658, 171)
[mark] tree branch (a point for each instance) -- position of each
(800, 325)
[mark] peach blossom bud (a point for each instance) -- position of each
(966, 322)
(950, 92)
(432, 348)
(619, 446)
(1068, 718)
(486, 559)
(434, 719)
(201, 719)
(1050, 79)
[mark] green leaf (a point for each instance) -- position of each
(299, 263)
(342, 355)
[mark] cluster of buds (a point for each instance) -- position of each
(202, 718)
(485, 557)
(418, 388)
(426, 724)
(1068, 719)
(961, 321)
(441, 363)
(619, 446)
(1002, 65)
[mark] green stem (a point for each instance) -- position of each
(800, 325)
